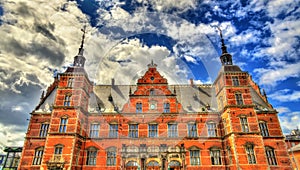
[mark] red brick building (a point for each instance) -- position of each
(153, 125)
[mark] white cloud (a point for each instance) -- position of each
(12, 135)
(276, 7)
(271, 76)
(165, 5)
(286, 95)
(128, 62)
(282, 109)
(289, 121)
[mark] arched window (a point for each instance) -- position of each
(153, 163)
(174, 163)
(91, 156)
(166, 107)
(211, 129)
(38, 156)
(271, 156)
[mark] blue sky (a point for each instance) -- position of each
(40, 38)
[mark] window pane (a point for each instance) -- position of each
(192, 130)
(113, 130)
(212, 129)
(195, 157)
(63, 125)
(250, 154)
(133, 131)
(94, 130)
(172, 130)
(152, 130)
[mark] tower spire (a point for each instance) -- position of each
(79, 59)
(82, 40)
(226, 58)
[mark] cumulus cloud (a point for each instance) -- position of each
(289, 121)
(286, 95)
(271, 76)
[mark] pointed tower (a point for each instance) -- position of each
(248, 143)
(63, 147)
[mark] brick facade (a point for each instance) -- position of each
(154, 125)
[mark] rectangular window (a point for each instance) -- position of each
(133, 131)
(239, 99)
(263, 128)
(244, 124)
(58, 150)
(63, 125)
(91, 157)
(58, 153)
(44, 129)
(235, 81)
(271, 156)
(166, 107)
(250, 154)
(215, 156)
(139, 108)
(94, 130)
(192, 130)
(172, 130)
(67, 101)
(70, 82)
(113, 130)
(212, 129)
(111, 158)
(38, 155)
(152, 130)
(195, 157)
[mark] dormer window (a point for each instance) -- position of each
(166, 107)
(152, 92)
(139, 107)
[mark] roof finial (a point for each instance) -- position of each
(82, 40)
(225, 58)
(152, 65)
(79, 59)
(224, 48)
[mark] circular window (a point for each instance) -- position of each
(152, 78)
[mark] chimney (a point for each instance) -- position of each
(191, 82)
(112, 82)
